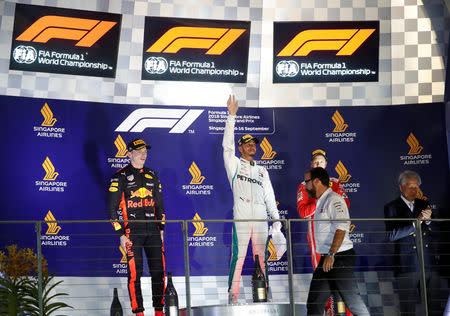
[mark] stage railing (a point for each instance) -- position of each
(91, 249)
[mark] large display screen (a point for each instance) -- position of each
(65, 41)
(195, 50)
(325, 51)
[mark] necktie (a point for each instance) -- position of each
(411, 207)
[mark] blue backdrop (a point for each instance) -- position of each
(78, 146)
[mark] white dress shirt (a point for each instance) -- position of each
(331, 205)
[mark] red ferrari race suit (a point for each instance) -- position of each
(138, 193)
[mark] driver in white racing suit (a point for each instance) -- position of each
(253, 198)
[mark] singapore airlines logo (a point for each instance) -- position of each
(272, 251)
(267, 149)
(121, 147)
(50, 174)
(53, 227)
(420, 195)
(49, 121)
(200, 229)
(215, 40)
(345, 41)
(339, 122)
(124, 255)
(342, 172)
(414, 145)
(178, 120)
(197, 177)
(352, 227)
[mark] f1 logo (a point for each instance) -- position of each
(345, 41)
(215, 40)
(86, 31)
(177, 119)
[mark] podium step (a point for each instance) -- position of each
(257, 309)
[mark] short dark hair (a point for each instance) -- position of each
(321, 174)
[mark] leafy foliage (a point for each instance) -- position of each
(19, 291)
(18, 263)
(31, 300)
(12, 294)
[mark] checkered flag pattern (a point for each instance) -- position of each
(94, 295)
(413, 47)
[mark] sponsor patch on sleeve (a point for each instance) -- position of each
(113, 189)
(338, 206)
(117, 226)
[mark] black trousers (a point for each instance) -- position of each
(150, 242)
(340, 278)
(408, 289)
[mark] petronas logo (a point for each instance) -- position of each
(50, 174)
(339, 122)
(200, 229)
(267, 149)
(48, 116)
(121, 147)
(53, 227)
(197, 177)
(272, 251)
(344, 177)
(414, 145)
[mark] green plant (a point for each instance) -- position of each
(31, 300)
(19, 291)
(12, 295)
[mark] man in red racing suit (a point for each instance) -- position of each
(306, 206)
(137, 191)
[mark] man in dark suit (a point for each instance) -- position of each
(404, 236)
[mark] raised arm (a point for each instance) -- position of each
(228, 135)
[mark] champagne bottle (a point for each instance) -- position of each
(170, 298)
(339, 305)
(116, 308)
(258, 283)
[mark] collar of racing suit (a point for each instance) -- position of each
(251, 163)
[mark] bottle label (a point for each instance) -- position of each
(261, 293)
(173, 310)
(341, 307)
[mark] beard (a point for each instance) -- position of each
(311, 193)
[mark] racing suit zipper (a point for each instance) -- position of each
(252, 198)
(142, 185)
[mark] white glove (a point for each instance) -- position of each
(276, 227)
(279, 242)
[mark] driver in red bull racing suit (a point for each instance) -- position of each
(136, 190)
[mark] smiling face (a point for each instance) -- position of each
(248, 150)
(138, 157)
(410, 188)
(319, 161)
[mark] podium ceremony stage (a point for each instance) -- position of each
(260, 309)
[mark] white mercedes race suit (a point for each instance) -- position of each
(253, 199)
